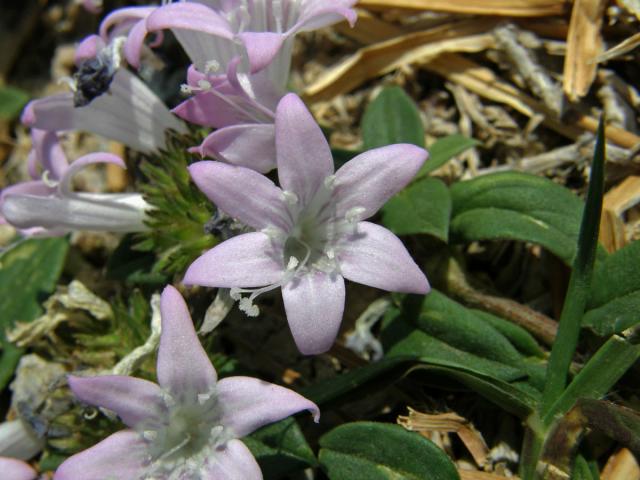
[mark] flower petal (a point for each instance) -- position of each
(314, 304)
(135, 41)
(49, 153)
(183, 365)
(190, 16)
(211, 109)
(19, 440)
(133, 399)
(121, 455)
(101, 157)
(244, 261)
(261, 47)
(250, 145)
(15, 469)
(371, 178)
(304, 157)
(250, 403)
(233, 461)
(127, 15)
(376, 257)
(241, 193)
(88, 48)
(319, 14)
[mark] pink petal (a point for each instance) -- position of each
(133, 399)
(88, 48)
(249, 403)
(319, 14)
(210, 110)
(262, 47)
(190, 16)
(121, 455)
(183, 365)
(241, 193)
(304, 157)
(82, 162)
(314, 304)
(250, 145)
(123, 15)
(371, 178)
(134, 43)
(246, 261)
(234, 461)
(13, 469)
(49, 153)
(376, 257)
(54, 112)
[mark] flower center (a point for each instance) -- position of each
(185, 437)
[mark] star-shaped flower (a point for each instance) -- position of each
(188, 426)
(310, 234)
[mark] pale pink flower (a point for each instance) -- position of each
(310, 234)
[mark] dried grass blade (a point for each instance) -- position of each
(509, 8)
(584, 44)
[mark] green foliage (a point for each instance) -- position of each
(378, 451)
(176, 224)
(392, 118)
(12, 101)
(28, 274)
(443, 150)
(422, 207)
(280, 449)
(614, 300)
(518, 206)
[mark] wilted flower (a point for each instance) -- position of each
(310, 231)
(47, 205)
(186, 427)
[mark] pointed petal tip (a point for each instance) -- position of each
(28, 116)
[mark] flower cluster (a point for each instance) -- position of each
(304, 236)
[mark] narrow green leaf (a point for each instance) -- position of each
(326, 391)
(377, 451)
(422, 207)
(443, 150)
(614, 301)
(579, 284)
(28, 274)
(12, 100)
(518, 336)
(581, 469)
(598, 376)
(280, 449)
(392, 118)
(518, 206)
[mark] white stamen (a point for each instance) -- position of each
(274, 233)
(212, 66)
(247, 306)
(203, 397)
(290, 197)
(204, 84)
(330, 182)
(354, 214)
(234, 293)
(293, 263)
(186, 89)
(49, 182)
(150, 435)
(331, 254)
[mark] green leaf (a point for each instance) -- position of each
(518, 336)
(581, 469)
(443, 150)
(12, 100)
(280, 449)
(349, 383)
(377, 451)
(518, 206)
(28, 275)
(392, 118)
(614, 301)
(422, 207)
(579, 284)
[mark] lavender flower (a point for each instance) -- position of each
(187, 426)
(241, 54)
(310, 234)
(47, 205)
(14, 469)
